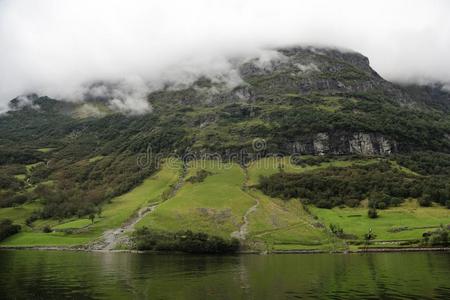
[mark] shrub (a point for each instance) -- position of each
(337, 230)
(425, 201)
(7, 228)
(334, 186)
(372, 213)
(369, 236)
(352, 202)
(381, 205)
(47, 229)
(185, 241)
(199, 177)
(324, 204)
(437, 237)
(33, 217)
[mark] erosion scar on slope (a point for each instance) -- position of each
(243, 230)
(114, 237)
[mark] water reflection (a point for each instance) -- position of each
(79, 275)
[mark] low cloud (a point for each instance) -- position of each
(68, 49)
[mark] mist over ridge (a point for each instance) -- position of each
(62, 48)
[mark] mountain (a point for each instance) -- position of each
(307, 100)
(76, 156)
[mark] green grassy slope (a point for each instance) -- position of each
(19, 214)
(409, 214)
(215, 205)
(76, 224)
(113, 215)
(285, 225)
(218, 203)
(279, 224)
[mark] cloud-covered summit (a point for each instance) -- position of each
(59, 48)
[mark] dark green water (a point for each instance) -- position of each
(79, 275)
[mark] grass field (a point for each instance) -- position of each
(409, 214)
(284, 224)
(218, 204)
(45, 150)
(113, 215)
(76, 224)
(215, 205)
(21, 176)
(96, 158)
(31, 166)
(20, 213)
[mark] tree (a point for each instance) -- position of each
(425, 200)
(7, 228)
(46, 229)
(99, 211)
(369, 236)
(336, 230)
(372, 213)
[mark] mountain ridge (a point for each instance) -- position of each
(300, 102)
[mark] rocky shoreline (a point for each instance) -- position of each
(369, 250)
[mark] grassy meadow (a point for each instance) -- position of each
(217, 203)
(279, 224)
(113, 215)
(412, 220)
(214, 206)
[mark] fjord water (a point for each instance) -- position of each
(82, 275)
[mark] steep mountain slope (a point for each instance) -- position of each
(70, 158)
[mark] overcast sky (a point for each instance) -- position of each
(56, 46)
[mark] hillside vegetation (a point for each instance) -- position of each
(343, 137)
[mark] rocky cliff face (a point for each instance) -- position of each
(307, 70)
(341, 143)
(292, 71)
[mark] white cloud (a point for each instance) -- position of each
(56, 47)
(308, 68)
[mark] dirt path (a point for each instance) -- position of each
(243, 230)
(114, 237)
(265, 232)
(120, 236)
(241, 234)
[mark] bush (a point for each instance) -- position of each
(47, 229)
(382, 184)
(425, 201)
(12, 199)
(7, 228)
(334, 186)
(438, 237)
(200, 176)
(337, 230)
(369, 236)
(33, 217)
(185, 241)
(324, 204)
(9, 182)
(352, 202)
(372, 213)
(381, 205)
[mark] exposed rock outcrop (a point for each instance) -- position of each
(340, 143)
